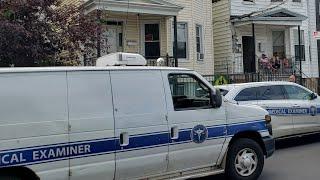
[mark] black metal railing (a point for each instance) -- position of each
(168, 61)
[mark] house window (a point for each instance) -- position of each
(152, 41)
(199, 42)
(296, 45)
(182, 40)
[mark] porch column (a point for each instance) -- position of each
(99, 33)
(254, 47)
(175, 49)
(300, 53)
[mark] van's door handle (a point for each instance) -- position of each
(296, 106)
(124, 139)
(174, 133)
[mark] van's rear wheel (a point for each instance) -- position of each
(245, 160)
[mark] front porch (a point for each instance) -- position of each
(268, 43)
(135, 27)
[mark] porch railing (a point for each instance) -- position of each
(169, 61)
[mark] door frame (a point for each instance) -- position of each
(142, 32)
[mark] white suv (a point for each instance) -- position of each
(294, 108)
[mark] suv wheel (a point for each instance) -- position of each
(245, 160)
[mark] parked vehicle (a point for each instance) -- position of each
(294, 108)
(125, 123)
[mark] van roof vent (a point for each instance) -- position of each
(121, 59)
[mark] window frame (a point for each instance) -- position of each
(198, 80)
(187, 39)
(200, 36)
(296, 44)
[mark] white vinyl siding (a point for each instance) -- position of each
(196, 12)
(222, 36)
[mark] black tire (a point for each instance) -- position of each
(238, 146)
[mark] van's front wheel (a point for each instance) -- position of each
(245, 160)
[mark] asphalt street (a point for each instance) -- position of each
(294, 159)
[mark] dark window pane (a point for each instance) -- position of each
(182, 50)
(152, 49)
(152, 32)
(182, 40)
(120, 40)
(189, 93)
(297, 52)
(248, 94)
(270, 93)
(198, 45)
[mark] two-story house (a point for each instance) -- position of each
(147, 27)
(246, 32)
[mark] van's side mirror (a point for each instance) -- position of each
(216, 98)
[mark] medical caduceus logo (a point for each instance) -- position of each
(199, 134)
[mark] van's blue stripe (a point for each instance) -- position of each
(53, 152)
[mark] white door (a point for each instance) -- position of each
(197, 131)
(140, 123)
(91, 126)
(303, 110)
(272, 98)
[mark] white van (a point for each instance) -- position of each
(76, 123)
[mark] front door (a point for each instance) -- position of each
(151, 40)
(249, 62)
(197, 130)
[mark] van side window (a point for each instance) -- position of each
(188, 92)
(295, 92)
(270, 93)
(248, 94)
